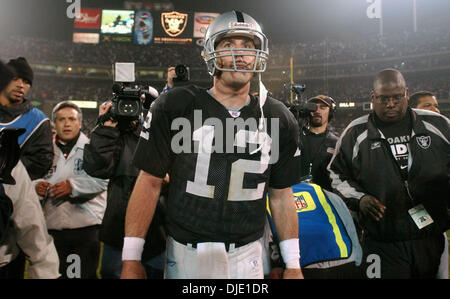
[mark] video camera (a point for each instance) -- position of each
(299, 108)
(126, 102)
(129, 101)
(296, 88)
(183, 74)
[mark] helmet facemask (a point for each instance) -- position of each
(237, 24)
(227, 26)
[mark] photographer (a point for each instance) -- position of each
(109, 156)
(170, 76)
(176, 76)
(318, 142)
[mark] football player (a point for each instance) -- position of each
(223, 149)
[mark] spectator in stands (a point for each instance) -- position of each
(424, 100)
(318, 142)
(27, 230)
(73, 202)
(386, 174)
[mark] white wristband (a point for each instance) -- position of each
(132, 249)
(290, 251)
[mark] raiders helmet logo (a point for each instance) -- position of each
(174, 22)
(424, 141)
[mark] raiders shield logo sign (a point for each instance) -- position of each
(424, 141)
(174, 22)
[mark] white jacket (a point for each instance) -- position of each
(76, 211)
(29, 231)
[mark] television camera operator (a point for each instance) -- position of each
(109, 156)
(316, 139)
(318, 142)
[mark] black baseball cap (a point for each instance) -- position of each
(324, 99)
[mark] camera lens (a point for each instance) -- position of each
(128, 108)
(181, 72)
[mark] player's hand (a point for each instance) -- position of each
(42, 187)
(104, 108)
(370, 206)
(61, 189)
(293, 274)
(133, 270)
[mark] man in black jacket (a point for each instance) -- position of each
(392, 167)
(9, 156)
(6, 207)
(318, 142)
(36, 149)
(109, 156)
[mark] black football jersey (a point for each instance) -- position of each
(220, 166)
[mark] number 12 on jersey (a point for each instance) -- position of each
(205, 137)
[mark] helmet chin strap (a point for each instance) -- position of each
(262, 100)
(262, 121)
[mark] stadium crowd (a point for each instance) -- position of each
(431, 38)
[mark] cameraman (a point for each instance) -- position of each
(318, 142)
(176, 76)
(109, 156)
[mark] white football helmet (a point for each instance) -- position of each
(235, 23)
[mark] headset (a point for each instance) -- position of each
(329, 102)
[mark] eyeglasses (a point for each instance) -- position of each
(395, 98)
